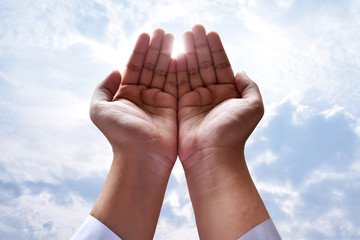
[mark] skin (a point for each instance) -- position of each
(216, 113)
(137, 114)
(192, 107)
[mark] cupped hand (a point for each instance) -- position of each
(137, 113)
(216, 110)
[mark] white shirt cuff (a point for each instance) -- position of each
(264, 231)
(95, 230)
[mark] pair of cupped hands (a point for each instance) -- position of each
(192, 106)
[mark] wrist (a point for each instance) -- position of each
(146, 157)
(132, 195)
(214, 171)
(223, 194)
(208, 162)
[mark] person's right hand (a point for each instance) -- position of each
(216, 110)
(137, 113)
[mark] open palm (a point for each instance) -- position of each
(215, 109)
(138, 112)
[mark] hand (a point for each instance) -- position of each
(216, 113)
(215, 110)
(138, 113)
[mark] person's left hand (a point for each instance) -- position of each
(217, 111)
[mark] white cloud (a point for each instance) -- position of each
(332, 111)
(286, 4)
(40, 217)
(302, 113)
(267, 158)
(357, 128)
(285, 196)
(320, 175)
(179, 201)
(173, 199)
(304, 185)
(289, 56)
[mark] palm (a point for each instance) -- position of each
(138, 113)
(216, 118)
(213, 110)
(206, 109)
(144, 116)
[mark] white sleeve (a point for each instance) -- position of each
(264, 231)
(93, 229)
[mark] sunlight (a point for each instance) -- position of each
(177, 47)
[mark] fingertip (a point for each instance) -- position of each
(213, 34)
(167, 43)
(243, 76)
(158, 31)
(108, 88)
(198, 27)
(246, 87)
(113, 79)
(144, 35)
(242, 79)
(143, 38)
(142, 43)
(188, 39)
(170, 36)
(115, 73)
(214, 41)
(186, 35)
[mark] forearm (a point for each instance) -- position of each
(131, 198)
(225, 200)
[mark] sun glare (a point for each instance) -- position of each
(177, 48)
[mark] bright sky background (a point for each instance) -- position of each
(304, 156)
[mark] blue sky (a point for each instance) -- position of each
(304, 156)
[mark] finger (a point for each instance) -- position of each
(224, 72)
(151, 58)
(183, 82)
(203, 54)
(192, 62)
(163, 61)
(107, 89)
(170, 82)
(136, 61)
(247, 88)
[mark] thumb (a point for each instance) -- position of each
(107, 89)
(250, 92)
(247, 88)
